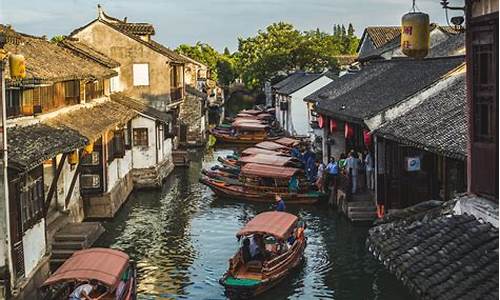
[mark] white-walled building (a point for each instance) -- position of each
(293, 114)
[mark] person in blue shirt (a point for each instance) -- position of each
(293, 184)
(280, 204)
(295, 152)
(332, 171)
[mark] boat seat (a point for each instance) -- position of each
(254, 266)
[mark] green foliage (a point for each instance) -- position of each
(222, 66)
(279, 49)
(283, 49)
(57, 38)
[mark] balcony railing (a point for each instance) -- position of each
(176, 94)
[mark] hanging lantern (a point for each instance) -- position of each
(73, 158)
(415, 34)
(333, 126)
(348, 130)
(88, 149)
(367, 138)
(17, 66)
(321, 121)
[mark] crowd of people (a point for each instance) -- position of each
(357, 167)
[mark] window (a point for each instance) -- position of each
(90, 181)
(32, 202)
(166, 131)
(140, 74)
(116, 146)
(91, 159)
(94, 90)
(484, 85)
(141, 137)
(71, 92)
(13, 102)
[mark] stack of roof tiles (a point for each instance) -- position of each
(380, 85)
(29, 146)
(440, 256)
(50, 62)
(438, 124)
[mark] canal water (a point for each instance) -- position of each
(182, 237)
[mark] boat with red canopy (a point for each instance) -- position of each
(271, 145)
(268, 159)
(254, 150)
(289, 142)
(112, 269)
(261, 183)
(279, 240)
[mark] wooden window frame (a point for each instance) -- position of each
(140, 137)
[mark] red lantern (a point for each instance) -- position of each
(367, 138)
(349, 131)
(333, 125)
(321, 121)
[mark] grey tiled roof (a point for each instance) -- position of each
(380, 85)
(440, 256)
(438, 124)
(299, 81)
(30, 146)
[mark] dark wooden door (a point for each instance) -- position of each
(16, 230)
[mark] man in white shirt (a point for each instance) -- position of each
(352, 166)
(82, 292)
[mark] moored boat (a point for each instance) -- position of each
(261, 183)
(280, 243)
(112, 271)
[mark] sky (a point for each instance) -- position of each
(217, 22)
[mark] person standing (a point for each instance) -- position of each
(332, 171)
(280, 204)
(320, 180)
(352, 166)
(370, 170)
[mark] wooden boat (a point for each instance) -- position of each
(111, 269)
(254, 150)
(261, 183)
(280, 237)
(245, 133)
(289, 142)
(273, 160)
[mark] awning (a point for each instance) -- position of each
(267, 159)
(270, 145)
(104, 265)
(275, 223)
(253, 169)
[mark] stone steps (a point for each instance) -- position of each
(71, 238)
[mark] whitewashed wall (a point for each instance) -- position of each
(298, 118)
(34, 246)
(144, 157)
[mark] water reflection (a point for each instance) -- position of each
(182, 238)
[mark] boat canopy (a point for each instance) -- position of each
(288, 142)
(248, 116)
(253, 150)
(246, 120)
(251, 111)
(250, 126)
(259, 170)
(264, 116)
(270, 145)
(104, 265)
(276, 223)
(267, 159)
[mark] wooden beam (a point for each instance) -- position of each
(72, 186)
(53, 185)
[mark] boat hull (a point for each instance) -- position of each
(240, 193)
(271, 278)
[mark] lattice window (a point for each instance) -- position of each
(141, 137)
